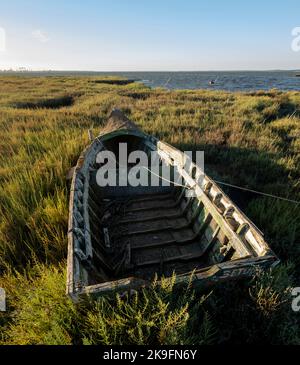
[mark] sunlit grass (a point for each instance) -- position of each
(249, 139)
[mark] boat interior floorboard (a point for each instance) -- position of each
(154, 234)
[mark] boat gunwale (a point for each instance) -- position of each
(203, 277)
(74, 290)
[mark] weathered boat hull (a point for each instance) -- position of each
(120, 238)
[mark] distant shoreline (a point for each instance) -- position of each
(145, 71)
(233, 81)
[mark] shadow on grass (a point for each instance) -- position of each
(113, 82)
(53, 103)
(138, 95)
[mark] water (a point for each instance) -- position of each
(231, 81)
(227, 80)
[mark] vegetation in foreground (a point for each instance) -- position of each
(249, 139)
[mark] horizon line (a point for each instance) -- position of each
(143, 71)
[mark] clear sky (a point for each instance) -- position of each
(137, 35)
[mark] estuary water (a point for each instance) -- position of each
(227, 80)
(214, 80)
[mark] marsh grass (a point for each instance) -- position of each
(42, 313)
(249, 139)
(157, 315)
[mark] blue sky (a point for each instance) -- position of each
(130, 35)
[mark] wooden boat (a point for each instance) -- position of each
(119, 237)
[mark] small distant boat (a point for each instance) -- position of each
(213, 81)
(120, 237)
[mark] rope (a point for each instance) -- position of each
(169, 181)
(218, 182)
(226, 184)
(258, 192)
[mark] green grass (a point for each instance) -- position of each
(249, 139)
